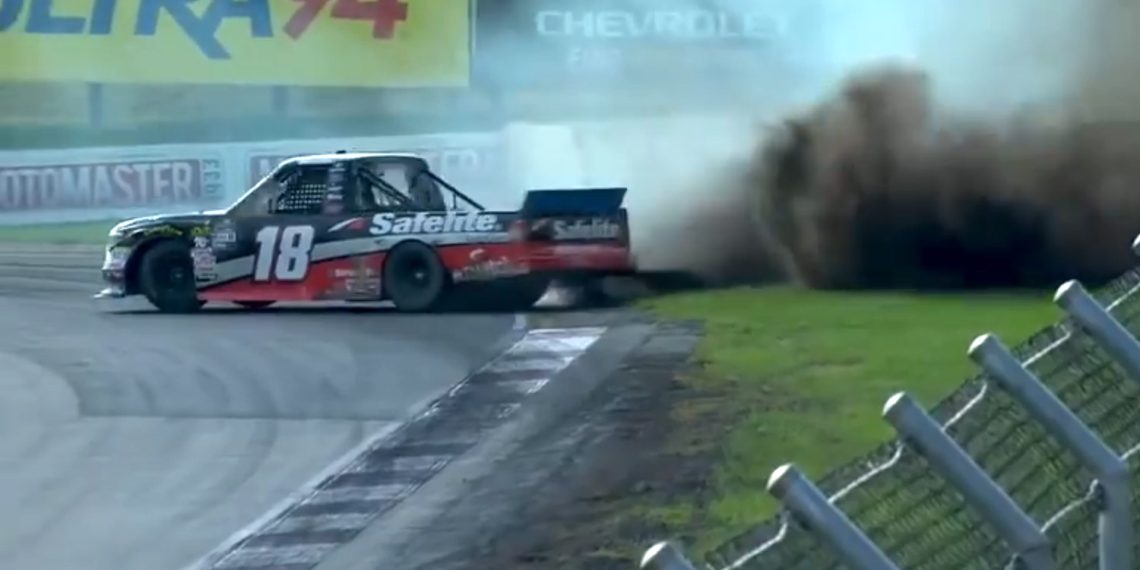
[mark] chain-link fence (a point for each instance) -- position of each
(905, 504)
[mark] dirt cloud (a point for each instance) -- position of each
(882, 185)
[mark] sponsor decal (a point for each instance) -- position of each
(355, 272)
(353, 224)
(483, 268)
(417, 43)
(205, 263)
(361, 281)
(225, 235)
(334, 188)
(338, 175)
(332, 205)
(391, 223)
(596, 228)
(118, 184)
(641, 42)
(161, 231)
(362, 287)
(686, 25)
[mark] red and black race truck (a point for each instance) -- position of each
(364, 227)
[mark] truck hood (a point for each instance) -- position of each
(180, 220)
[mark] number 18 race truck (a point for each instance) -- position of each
(365, 227)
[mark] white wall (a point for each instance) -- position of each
(667, 164)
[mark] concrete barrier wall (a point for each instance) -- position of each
(668, 165)
(64, 185)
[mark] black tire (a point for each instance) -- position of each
(166, 278)
(253, 305)
(414, 277)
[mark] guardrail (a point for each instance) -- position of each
(1028, 465)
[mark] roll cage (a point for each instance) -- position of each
(286, 181)
(392, 192)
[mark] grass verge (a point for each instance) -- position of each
(69, 233)
(792, 375)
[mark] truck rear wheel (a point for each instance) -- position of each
(166, 277)
(414, 277)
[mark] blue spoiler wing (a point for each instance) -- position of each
(574, 202)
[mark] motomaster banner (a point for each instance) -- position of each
(374, 43)
(103, 183)
(113, 179)
(526, 42)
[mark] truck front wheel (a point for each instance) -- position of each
(166, 277)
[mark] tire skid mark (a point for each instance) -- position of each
(260, 444)
(231, 396)
(31, 393)
(340, 386)
(62, 272)
(57, 483)
(23, 286)
(243, 449)
(368, 482)
(164, 482)
(178, 437)
(329, 362)
(187, 425)
(210, 375)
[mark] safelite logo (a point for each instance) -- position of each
(390, 223)
(597, 228)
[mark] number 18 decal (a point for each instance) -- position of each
(291, 252)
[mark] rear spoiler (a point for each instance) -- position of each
(572, 202)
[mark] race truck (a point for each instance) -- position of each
(367, 227)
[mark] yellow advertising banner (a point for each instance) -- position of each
(336, 43)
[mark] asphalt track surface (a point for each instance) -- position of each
(142, 441)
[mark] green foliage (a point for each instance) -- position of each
(801, 376)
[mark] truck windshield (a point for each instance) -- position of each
(256, 200)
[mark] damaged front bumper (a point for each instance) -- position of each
(114, 296)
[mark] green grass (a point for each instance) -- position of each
(802, 376)
(69, 233)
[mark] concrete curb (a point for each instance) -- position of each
(281, 508)
(386, 541)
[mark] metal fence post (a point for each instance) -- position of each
(810, 505)
(665, 556)
(926, 437)
(1048, 410)
(1115, 524)
(1099, 324)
